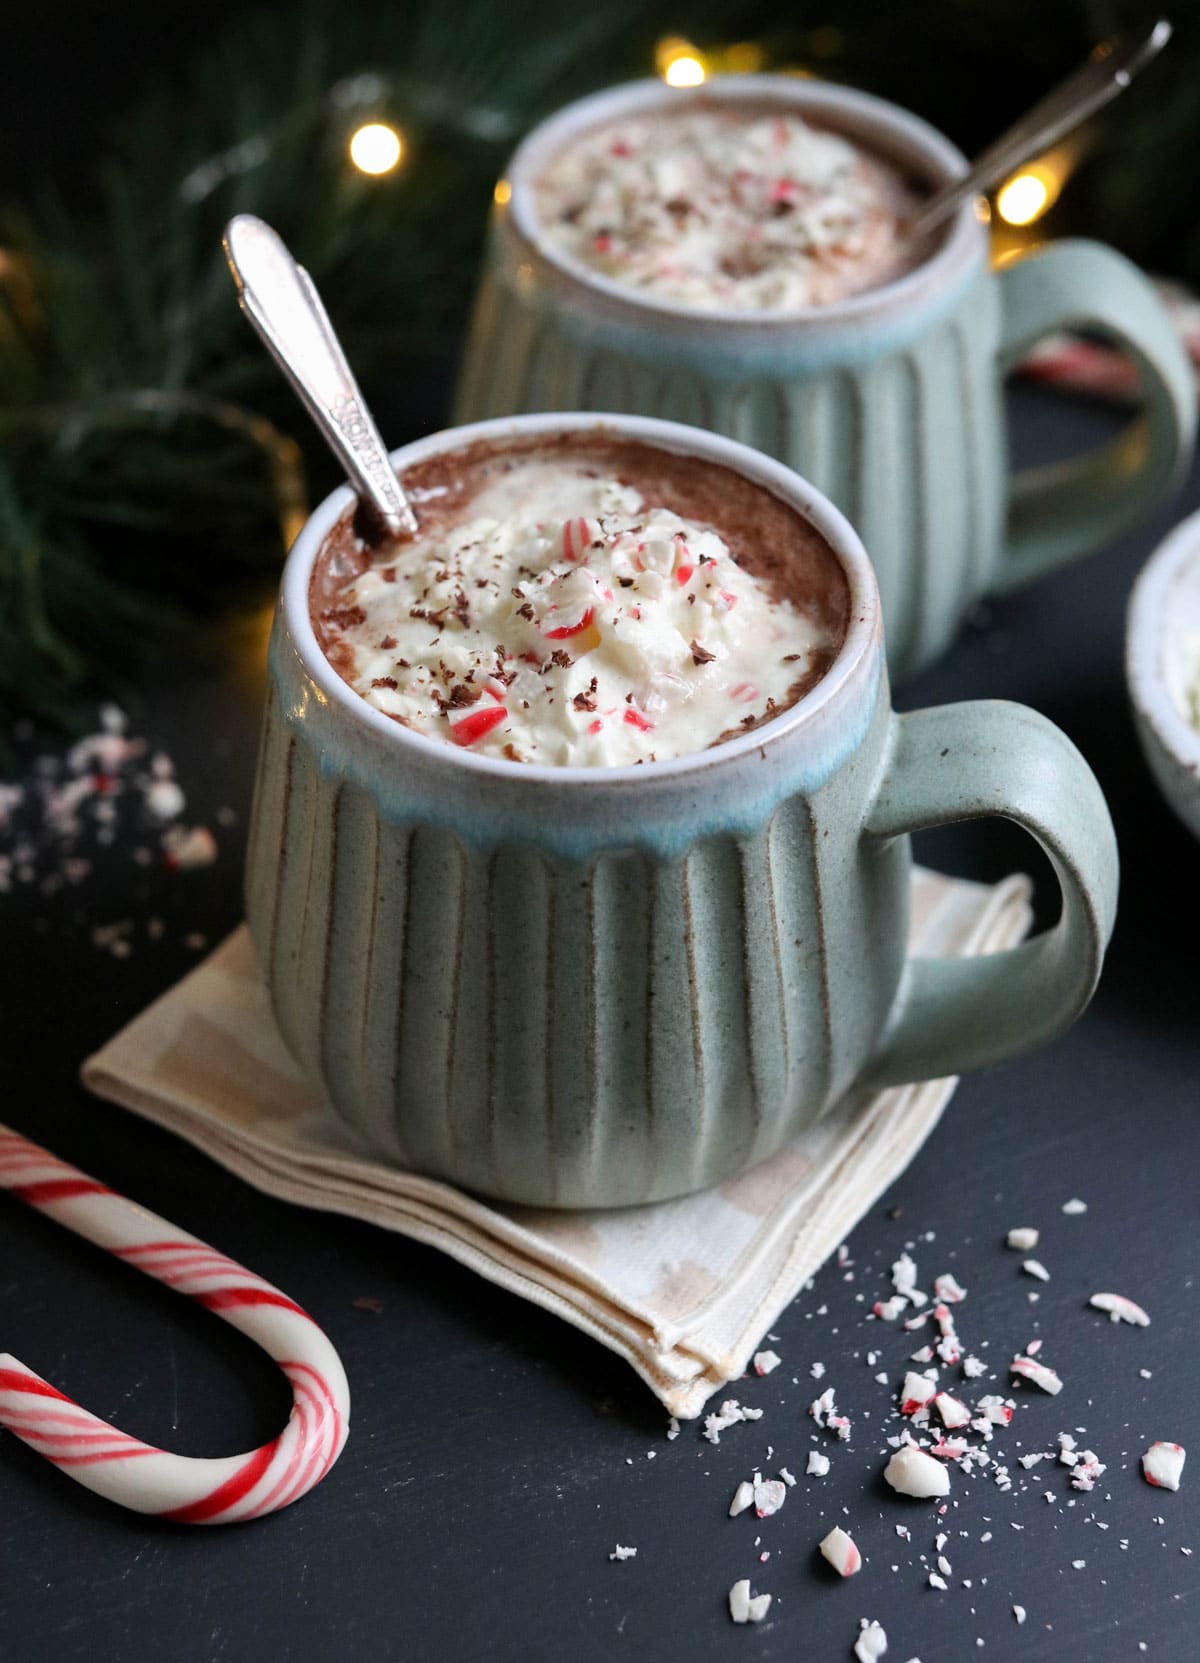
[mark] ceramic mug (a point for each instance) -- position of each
(889, 401)
(589, 986)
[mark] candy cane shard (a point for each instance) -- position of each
(1120, 1309)
(186, 1489)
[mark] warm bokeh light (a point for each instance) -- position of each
(502, 192)
(376, 148)
(744, 57)
(684, 72)
(679, 63)
(1025, 198)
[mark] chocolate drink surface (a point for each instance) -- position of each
(582, 600)
(715, 208)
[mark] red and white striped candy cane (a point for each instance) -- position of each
(136, 1475)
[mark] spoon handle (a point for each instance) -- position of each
(1103, 75)
(278, 297)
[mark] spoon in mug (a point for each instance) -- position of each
(279, 298)
(1106, 72)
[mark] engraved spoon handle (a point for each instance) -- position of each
(1105, 73)
(278, 297)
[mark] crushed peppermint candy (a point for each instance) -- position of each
(766, 1362)
(506, 629)
(1023, 1238)
(917, 1392)
(729, 1414)
(745, 1609)
(947, 1290)
(1037, 1374)
(621, 1553)
(1120, 1309)
(871, 1643)
(1074, 1207)
(911, 1472)
(887, 1310)
(1162, 1465)
(769, 1496)
(818, 1464)
(838, 1550)
(952, 1411)
(1033, 1267)
(743, 1497)
(108, 792)
(726, 209)
(824, 1411)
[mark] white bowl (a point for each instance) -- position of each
(1162, 658)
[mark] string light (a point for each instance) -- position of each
(679, 63)
(502, 192)
(376, 148)
(1028, 195)
(685, 72)
(744, 57)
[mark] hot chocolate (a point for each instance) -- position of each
(719, 208)
(582, 600)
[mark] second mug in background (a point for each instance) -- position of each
(889, 401)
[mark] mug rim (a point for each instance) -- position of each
(863, 631)
(1175, 561)
(878, 121)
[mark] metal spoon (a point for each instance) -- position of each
(278, 297)
(1106, 72)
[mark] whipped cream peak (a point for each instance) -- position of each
(563, 620)
(726, 208)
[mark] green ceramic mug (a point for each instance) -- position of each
(592, 987)
(890, 402)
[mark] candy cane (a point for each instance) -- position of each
(136, 1475)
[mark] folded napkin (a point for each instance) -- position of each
(683, 1290)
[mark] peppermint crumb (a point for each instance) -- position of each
(1033, 1267)
(765, 1362)
(743, 1608)
(1023, 1238)
(1018, 1612)
(871, 1643)
(1074, 1207)
(622, 1553)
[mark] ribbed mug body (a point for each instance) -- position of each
(575, 987)
(890, 403)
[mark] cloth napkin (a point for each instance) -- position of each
(683, 1290)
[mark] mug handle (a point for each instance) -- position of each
(1059, 512)
(968, 762)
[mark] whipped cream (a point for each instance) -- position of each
(721, 208)
(564, 621)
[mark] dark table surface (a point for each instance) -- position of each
(497, 1455)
